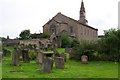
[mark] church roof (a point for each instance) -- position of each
(70, 19)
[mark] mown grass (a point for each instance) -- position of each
(0, 70)
(73, 69)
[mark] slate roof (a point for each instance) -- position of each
(70, 19)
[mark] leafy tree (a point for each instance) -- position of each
(33, 36)
(8, 37)
(46, 35)
(25, 34)
(109, 45)
(66, 40)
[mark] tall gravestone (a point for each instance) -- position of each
(25, 56)
(39, 58)
(71, 54)
(59, 62)
(15, 57)
(63, 55)
(47, 65)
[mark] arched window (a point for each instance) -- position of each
(53, 28)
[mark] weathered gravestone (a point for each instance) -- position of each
(84, 59)
(63, 55)
(56, 53)
(25, 56)
(15, 57)
(59, 62)
(47, 65)
(6, 52)
(72, 54)
(39, 58)
(67, 50)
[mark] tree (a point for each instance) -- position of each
(8, 37)
(25, 34)
(46, 35)
(109, 45)
(66, 40)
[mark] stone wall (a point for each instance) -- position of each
(80, 31)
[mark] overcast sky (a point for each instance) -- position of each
(18, 15)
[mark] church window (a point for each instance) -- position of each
(53, 28)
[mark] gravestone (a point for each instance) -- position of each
(15, 57)
(6, 52)
(67, 50)
(84, 59)
(63, 55)
(39, 58)
(56, 53)
(25, 56)
(59, 62)
(47, 65)
(71, 54)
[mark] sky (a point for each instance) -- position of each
(18, 15)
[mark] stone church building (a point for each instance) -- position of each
(75, 28)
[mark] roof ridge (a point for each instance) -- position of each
(69, 18)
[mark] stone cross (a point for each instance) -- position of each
(15, 57)
(59, 62)
(47, 65)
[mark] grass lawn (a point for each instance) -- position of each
(73, 69)
(0, 70)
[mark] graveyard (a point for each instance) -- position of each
(43, 58)
(71, 69)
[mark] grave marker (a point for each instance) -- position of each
(15, 57)
(59, 62)
(47, 65)
(84, 59)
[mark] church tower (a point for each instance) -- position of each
(82, 18)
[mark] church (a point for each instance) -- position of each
(75, 28)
